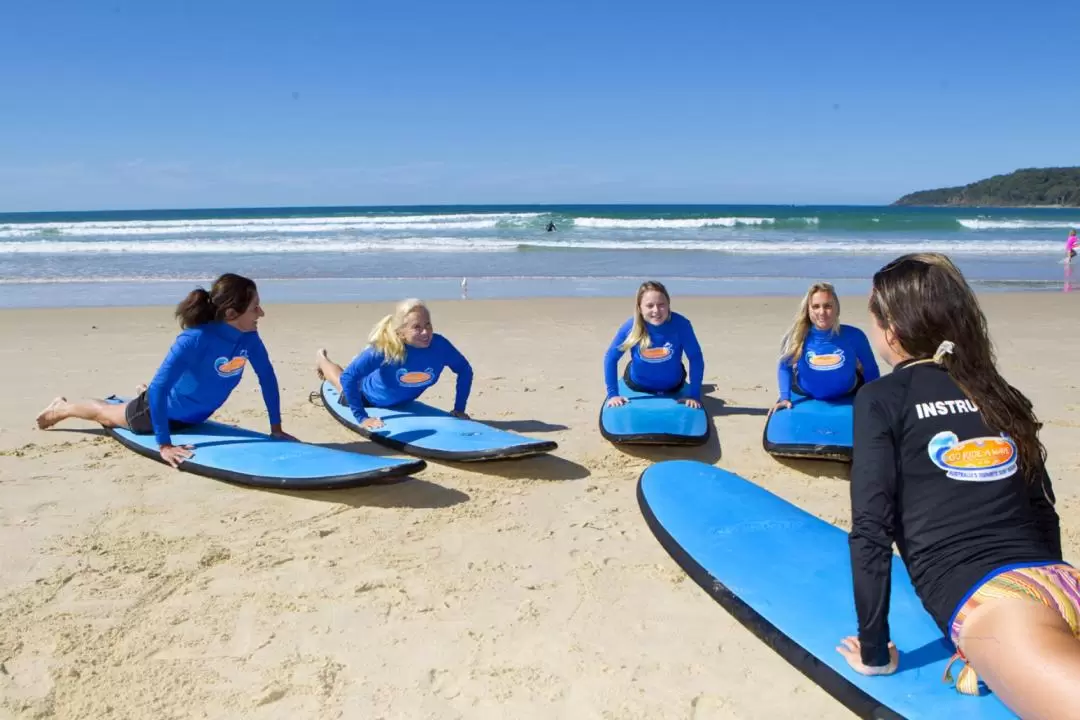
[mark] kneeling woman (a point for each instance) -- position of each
(948, 466)
(656, 339)
(403, 359)
(821, 358)
(220, 337)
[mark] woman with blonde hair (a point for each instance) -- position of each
(656, 338)
(948, 466)
(404, 358)
(821, 358)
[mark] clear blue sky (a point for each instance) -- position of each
(156, 103)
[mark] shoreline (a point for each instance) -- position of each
(328, 291)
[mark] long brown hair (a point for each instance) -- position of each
(638, 335)
(229, 292)
(924, 300)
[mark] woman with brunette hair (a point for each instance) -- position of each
(949, 466)
(220, 337)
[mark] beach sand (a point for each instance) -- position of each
(523, 589)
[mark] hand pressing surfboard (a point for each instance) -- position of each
(425, 431)
(786, 575)
(245, 457)
(653, 419)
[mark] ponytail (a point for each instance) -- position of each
(385, 339)
(925, 302)
(229, 292)
(384, 335)
(196, 309)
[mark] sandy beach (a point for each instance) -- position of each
(518, 589)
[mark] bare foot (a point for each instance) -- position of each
(320, 355)
(140, 388)
(53, 414)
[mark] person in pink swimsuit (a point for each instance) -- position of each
(1070, 246)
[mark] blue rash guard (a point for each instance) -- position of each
(385, 384)
(202, 368)
(826, 369)
(661, 368)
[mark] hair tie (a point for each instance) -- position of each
(945, 348)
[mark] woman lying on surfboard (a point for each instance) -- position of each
(656, 338)
(821, 358)
(403, 359)
(948, 465)
(220, 337)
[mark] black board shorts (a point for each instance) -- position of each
(344, 401)
(137, 415)
(637, 388)
(859, 382)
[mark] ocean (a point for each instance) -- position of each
(386, 253)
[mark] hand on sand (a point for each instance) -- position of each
(371, 423)
(176, 454)
(617, 401)
(850, 648)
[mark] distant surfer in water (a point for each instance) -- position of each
(551, 226)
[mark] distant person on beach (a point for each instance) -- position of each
(657, 338)
(1070, 246)
(404, 357)
(948, 466)
(204, 365)
(551, 227)
(821, 358)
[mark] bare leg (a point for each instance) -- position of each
(99, 411)
(1027, 654)
(327, 369)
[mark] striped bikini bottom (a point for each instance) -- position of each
(1057, 586)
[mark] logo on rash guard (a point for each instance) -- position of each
(415, 378)
(656, 354)
(979, 459)
(825, 361)
(230, 368)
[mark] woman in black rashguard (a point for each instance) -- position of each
(948, 465)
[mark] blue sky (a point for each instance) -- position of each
(125, 104)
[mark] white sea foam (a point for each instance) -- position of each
(668, 223)
(459, 244)
(982, 224)
(462, 221)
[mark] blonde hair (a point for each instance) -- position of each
(384, 336)
(795, 338)
(638, 334)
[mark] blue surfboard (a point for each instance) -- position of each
(811, 429)
(245, 457)
(425, 431)
(786, 575)
(653, 419)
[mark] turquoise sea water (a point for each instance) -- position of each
(375, 253)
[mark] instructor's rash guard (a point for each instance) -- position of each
(658, 368)
(202, 368)
(826, 368)
(385, 384)
(929, 474)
